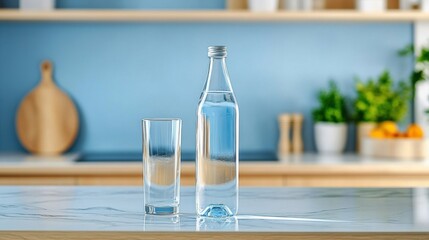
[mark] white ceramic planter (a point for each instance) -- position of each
(330, 137)
(44, 5)
(371, 5)
(263, 5)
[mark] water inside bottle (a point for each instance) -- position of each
(217, 180)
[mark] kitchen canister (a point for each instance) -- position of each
(371, 5)
(263, 5)
(43, 5)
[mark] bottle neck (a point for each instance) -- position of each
(218, 78)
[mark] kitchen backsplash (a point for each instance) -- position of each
(118, 73)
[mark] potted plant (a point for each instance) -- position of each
(377, 101)
(330, 121)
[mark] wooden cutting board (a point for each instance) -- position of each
(47, 121)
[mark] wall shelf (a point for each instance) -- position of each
(209, 16)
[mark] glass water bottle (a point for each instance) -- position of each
(217, 142)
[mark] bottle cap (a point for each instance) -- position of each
(217, 51)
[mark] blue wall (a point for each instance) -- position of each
(118, 73)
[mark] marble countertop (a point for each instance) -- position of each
(70, 209)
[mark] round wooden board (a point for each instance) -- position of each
(47, 121)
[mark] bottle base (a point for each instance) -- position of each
(217, 211)
(161, 210)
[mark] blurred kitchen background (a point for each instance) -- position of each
(118, 73)
(120, 68)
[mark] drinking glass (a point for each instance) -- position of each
(161, 160)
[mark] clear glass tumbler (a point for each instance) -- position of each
(161, 170)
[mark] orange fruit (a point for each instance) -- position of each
(377, 133)
(415, 131)
(389, 128)
(400, 135)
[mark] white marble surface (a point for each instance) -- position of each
(261, 209)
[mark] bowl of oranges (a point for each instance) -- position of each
(386, 140)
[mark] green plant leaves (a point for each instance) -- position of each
(407, 50)
(377, 100)
(381, 100)
(332, 105)
(422, 63)
(424, 55)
